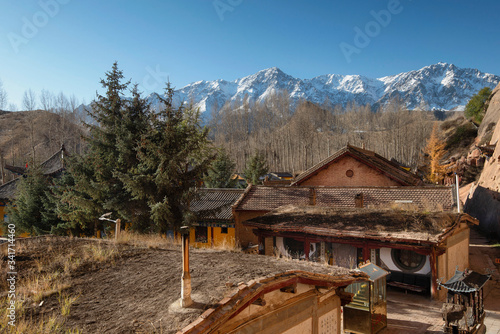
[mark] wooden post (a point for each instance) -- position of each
(307, 248)
(322, 252)
(186, 300)
(366, 253)
(117, 228)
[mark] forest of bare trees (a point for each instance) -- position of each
(294, 140)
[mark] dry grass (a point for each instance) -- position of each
(228, 245)
(49, 275)
(65, 302)
(53, 324)
(146, 240)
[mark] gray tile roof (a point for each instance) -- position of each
(215, 203)
(431, 198)
(52, 165)
(55, 163)
(8, 190)
(465, 282)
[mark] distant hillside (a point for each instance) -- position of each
(48, 131)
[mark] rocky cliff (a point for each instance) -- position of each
(483, 200)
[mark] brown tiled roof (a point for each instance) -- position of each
(387, 225)
(8, 190)
(264, 198)
(388, 168)
(212, 319)
(215, 203)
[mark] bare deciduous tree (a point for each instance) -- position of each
(3, 97)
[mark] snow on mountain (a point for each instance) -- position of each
(440, 86)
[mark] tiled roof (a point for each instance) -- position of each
(387, 225)
(465, 282)
(16, 169)
(389, 168)
(50, 166)
(262, 198)
(55, 163)
(8, 190)
(214, 318)
(215, 203)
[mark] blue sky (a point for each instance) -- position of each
(68, 45)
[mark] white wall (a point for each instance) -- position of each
(385, 256)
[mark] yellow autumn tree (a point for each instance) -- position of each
(434, 152)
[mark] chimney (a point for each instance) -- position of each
(358, 200)
(312, 196)
(186, 300)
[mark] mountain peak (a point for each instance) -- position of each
(441, 86)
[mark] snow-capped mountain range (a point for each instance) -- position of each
(440, 86)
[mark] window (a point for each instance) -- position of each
(349, 173)
(201, 234)
(223, 230)
(407, 260)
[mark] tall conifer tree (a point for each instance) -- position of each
(173, 156)
(95, 186)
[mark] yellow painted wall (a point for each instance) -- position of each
(222, 240)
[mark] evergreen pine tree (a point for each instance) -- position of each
(96, 184)
(220, 172)
(476, 107)
(256, 168)
(32, 211)
(173, 156)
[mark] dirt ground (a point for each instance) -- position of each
(138, 291)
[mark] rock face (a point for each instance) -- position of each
(483, 201)
(492, 115)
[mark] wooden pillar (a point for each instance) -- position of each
(186, 276)
(212, 243)
(269, 246)
(322, 252)
(117, 228)
(434, 273)
(261, 245)
(366, 253)
(307, 248)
